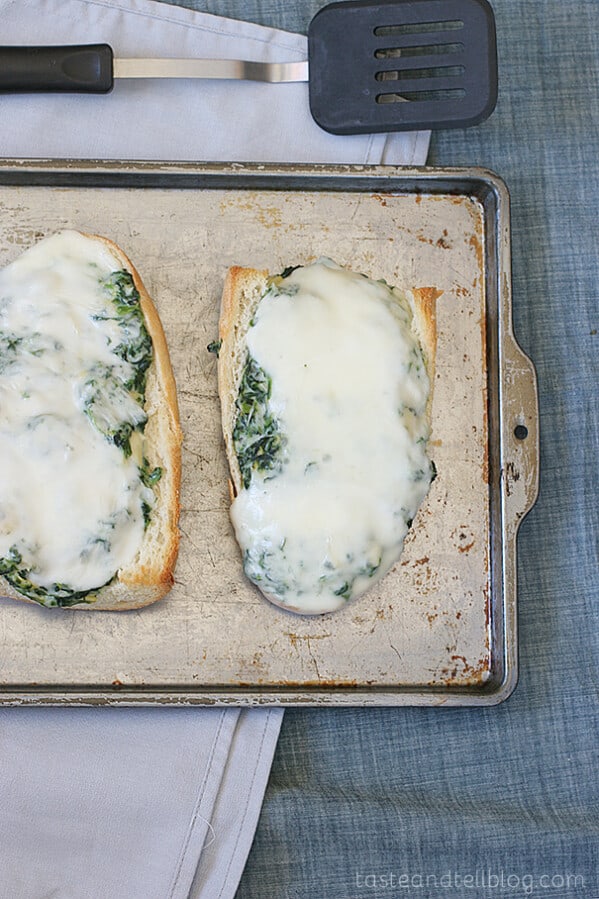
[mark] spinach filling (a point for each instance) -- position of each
(17, 574)
(257, 438)
(114, 405)
(259, 444)
(269, 568)
(106, 391)
(106, 394)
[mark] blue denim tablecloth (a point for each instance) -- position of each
(501, 801)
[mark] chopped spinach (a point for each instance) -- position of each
(270, 569)
(18, 575)
(9, 343)
(146, 511)
(111, 408)
(276, 287)
(257, 564)
(214, 347)
(136, 345)
(289, 270)
(149, 476)
(12, 345)
(113, 400)
(259, 444)
(121, 438)
(370, 568)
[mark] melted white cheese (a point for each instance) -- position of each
(70, 502)
(349, 390)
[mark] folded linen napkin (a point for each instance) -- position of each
(165, 119)
(119, 804)
(157, 803)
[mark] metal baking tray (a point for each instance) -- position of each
(441, 627)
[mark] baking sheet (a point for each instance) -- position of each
(440, 628)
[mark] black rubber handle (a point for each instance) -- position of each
(86, 68)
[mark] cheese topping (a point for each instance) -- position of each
(73, 353)
(347, 392)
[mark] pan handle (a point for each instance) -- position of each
(519, 479)
(520, 434)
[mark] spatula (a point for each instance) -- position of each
(395, 65)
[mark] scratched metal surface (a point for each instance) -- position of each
(441, 626)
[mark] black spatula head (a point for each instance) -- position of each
(402, 65)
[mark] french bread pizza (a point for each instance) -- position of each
(89, 430)
(325, 381)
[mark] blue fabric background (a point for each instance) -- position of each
(506, 794)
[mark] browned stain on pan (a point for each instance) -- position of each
(443, 242)
(381, 198)
(459, 672)
(511, 475)
(295, 639)
(267, 216)
(325, 683)
(463, 539)
(477, 246)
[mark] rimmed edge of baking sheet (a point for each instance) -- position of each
(512, 401)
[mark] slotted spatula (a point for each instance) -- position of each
(395, 65)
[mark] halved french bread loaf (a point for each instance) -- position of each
(90, 488)
(305, 361)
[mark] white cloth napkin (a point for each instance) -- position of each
(123, 804)
(158, 803)
(207, 120)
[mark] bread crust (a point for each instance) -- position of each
(242, 292)
(150, 576)
(423, 301)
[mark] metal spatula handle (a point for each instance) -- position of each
(92, 69)
(366, 58)
(231, 69)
